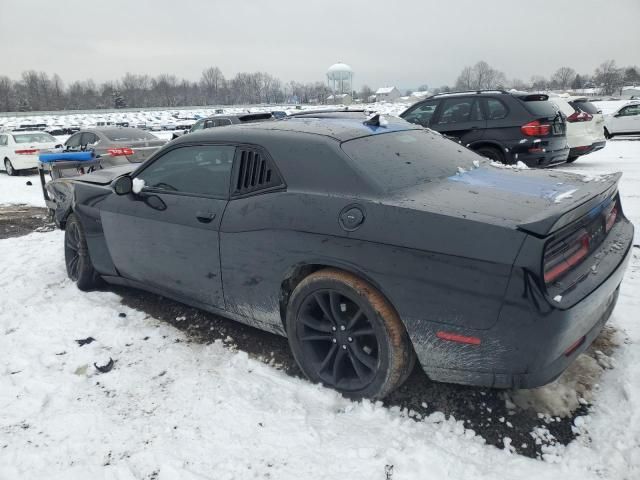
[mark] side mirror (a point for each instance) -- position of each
(123, 185)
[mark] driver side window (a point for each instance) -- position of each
(629, 111)
(422, 113)
(198, 170)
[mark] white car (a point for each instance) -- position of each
(19, 150)
(585, 125)
(624, 121)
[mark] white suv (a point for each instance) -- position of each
(19, 150)
(585, 125)
(624, 121)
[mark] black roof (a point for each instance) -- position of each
(341, 126)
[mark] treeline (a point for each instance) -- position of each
(607, 77)
(38, 91)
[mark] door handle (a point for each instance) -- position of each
(205, 217)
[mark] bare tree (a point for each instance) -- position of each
(563, 77)
(480, 77)
(465, 80)
(212, 82)
(365, 93)
(608, 77)
(538, 82)
(7, 95)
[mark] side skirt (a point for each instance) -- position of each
(193, 303)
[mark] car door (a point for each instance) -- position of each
(167, 235)
(628, 119)
(3, 150)
(460, 118)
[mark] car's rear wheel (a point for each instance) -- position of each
(345, 335)
(492, 153)
(8, 166)
(572, 159)
(76, 256)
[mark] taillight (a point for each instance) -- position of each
(118, 152)
(535, 129)
(579, 117)
(27, 152)
(564, 255)
(611, 217)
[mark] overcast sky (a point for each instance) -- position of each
(403, 43)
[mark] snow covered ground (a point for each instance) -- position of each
(171, 409)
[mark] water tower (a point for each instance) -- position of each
(340, 78)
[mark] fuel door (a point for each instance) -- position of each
(351, 217)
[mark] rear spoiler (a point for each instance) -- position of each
(533, 97)
(589, 197)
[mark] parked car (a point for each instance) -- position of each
(585, 125)
(505, 127)
(624, 121)
(223, 121)
(115, 145)
(367, 243)
(19, 150)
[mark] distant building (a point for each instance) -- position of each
(387, 94)
(631, 92)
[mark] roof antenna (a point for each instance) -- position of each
(376, 120)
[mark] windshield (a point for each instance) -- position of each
(130, 135)
(34, 138)
(399, 160)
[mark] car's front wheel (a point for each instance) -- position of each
(8, 166)
(607, 135)
(345, 335)
(76, 256)
(572, 159)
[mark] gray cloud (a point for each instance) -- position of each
(406, 43)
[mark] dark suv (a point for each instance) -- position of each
(224, 120)
(506, 127)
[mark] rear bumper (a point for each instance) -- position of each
(24, 162)
(579, 151)
(542, 154)
(532, 342)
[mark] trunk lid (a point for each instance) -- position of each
(538, 202)
(143, 149)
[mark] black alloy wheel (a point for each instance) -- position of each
(346, 335)
(76, 256)
(338, 338)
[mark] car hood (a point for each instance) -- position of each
(106, 175)
(536, 201)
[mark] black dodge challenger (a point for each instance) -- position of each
(368, 242)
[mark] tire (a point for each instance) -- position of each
(76, 256)
(344, 334)
(8, 167)
(572, 159)
(492, 153)
(607, 135)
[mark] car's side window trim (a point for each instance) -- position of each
(484, 105)
(435, 119)
(233, 195)
(146, 165)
